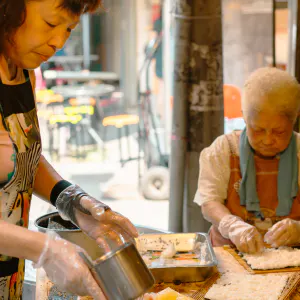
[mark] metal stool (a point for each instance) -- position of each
(119, 122)
(48, 102)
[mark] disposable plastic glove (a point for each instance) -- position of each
(283, 233)
(66, 269)
(110, 229)
(244, 236)
(95, 218)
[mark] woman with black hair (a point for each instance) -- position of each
(31, 31)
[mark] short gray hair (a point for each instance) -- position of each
(273, 90)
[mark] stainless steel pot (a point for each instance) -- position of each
(122, 274)
(71, 234)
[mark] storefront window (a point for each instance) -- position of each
(247, 45)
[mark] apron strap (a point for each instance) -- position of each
(232, 140)
(10, 267)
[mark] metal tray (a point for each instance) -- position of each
(183, 242)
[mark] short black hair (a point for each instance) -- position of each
(13, 13)
(78, 7)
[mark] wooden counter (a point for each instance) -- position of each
(225, 263)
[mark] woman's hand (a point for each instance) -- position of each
(246, 237)
(95, 218)
(66, 269)
(103, 224)
(283, 233)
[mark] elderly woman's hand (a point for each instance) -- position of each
(244, 236)
(283, 233)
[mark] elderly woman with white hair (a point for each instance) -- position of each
(249, 180)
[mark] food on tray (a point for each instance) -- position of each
(194, 259)
(167, 294)
(164, 253)
(233, 286)
(270, 258)
(183, 242)
(169, 252)
(156, 259)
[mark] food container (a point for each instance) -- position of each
(121, 274)
(179, 271)
(69, 232)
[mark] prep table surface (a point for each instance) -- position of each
(225, 263)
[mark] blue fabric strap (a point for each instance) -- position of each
(287, 177)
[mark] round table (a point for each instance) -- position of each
(69, 91)
(85, 95)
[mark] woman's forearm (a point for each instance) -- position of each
(16, 241)
(46, 178)
(214, 211)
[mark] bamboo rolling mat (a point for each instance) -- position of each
(199, 295)
(291, 287)
(242, 262)
(288, 291)
(187, 289)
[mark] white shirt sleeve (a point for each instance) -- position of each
(298, 154)
(214, 173)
